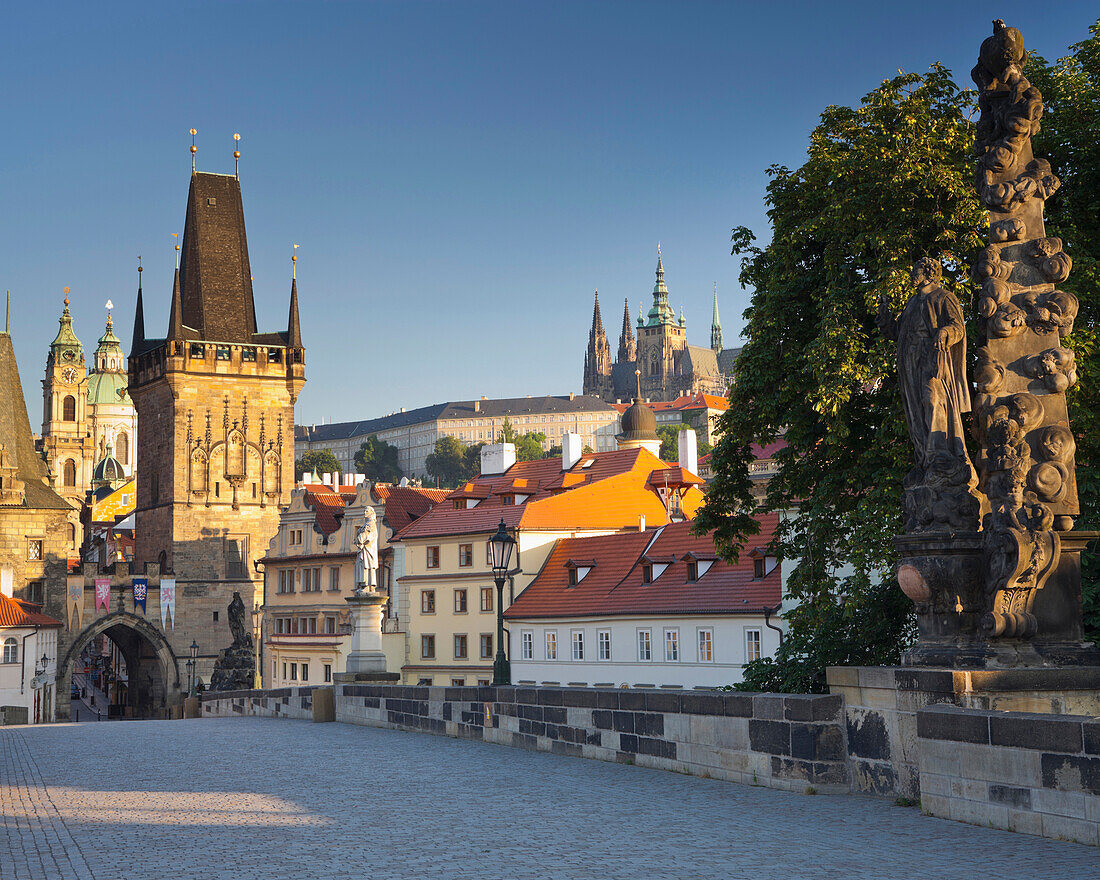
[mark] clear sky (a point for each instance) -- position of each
(460, 176)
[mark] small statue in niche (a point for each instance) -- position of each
(1053, 262)
(931, 360)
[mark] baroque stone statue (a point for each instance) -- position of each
(366, 556)
(931, 360)
(235, 668)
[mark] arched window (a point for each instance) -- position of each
(72, 536)
(162, 561)
(69, 475)
(122, 449)
(11, 651)
(68, 409)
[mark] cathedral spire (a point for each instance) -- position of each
(627, 350)
(597, 359)
(716, 325)
(294, 328)
(662, 312)
(175, 319)
(597, 318)
(137, 345)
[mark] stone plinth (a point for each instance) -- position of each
(366, 654)
(881, 705)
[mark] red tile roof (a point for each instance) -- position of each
(406, 504)
(328, 506)
(603, 490)
(684, 402)
(614, 585)
(15, 612)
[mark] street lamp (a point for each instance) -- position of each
(192, 666)
(257, 619)
(500, 551)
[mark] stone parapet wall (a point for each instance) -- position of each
(1037, 774)
(279, 703)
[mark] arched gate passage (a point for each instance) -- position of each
(154, 677)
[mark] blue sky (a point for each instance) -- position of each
(460, 176)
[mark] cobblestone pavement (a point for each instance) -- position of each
(263, 798)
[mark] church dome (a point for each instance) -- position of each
(639, 423)
(108, 471)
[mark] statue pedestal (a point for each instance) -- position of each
(366, 636)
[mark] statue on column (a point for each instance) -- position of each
(931, 338)
(366, 555)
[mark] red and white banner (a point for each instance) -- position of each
(103, 593)
(167, 600)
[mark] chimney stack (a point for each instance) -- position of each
(496, 458)
(689, 450)
(571, 450)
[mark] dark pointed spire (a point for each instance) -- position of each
(716, 325)
(137, 345)
(175, 319)
(597, 318)
(627, 350)
(294, 329)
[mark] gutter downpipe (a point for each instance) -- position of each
(23, 659)
(768, 612)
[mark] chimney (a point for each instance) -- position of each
(359, 478)
(641, 522)
(571, 450)
(326, 479)
(571, 395)
(7, 583)
(496, 458)
(689, 450)
(477, 406)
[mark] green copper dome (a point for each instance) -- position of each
(107, 388)
(65, 337)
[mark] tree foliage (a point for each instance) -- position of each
(528, 445)
(447, 464)
(316, 461)
(884, 184)
(670, 441)
(1069, 139)
(377, 460)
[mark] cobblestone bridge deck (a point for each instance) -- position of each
(255, 798)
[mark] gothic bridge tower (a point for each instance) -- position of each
(215, 400)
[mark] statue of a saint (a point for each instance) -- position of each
(931, 337)
(241, 636)
(366, 557)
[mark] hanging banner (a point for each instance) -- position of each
(167, 600)
(74, 605)
(141, 590)
(103, 593)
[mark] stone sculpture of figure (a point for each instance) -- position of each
(366, 546)
(241, 636)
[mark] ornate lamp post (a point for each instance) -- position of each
(192, 667)
(500, 551)
(257, 626)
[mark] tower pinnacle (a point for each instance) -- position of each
(716, 325)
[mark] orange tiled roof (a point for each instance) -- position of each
(603, 490)
(614, 584)
(15, 612)
(684, 402)
(328, 506)
(406, 504)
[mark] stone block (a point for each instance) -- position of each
(1025, 822)
(1064, 828)
(970, 789)
(702, 704)
(1012, 796)
(936, 805)
(878, 677)
(798, 707)
(677, 728)
(817, 742)
(874, 777)
(650, 724)
(1092, 808)
(730, 733)
(1051, 733)
(737, 705)
(662, 701)
(740, 762)
(845, 676)
(632, 701)
(703, 729)
(1059, 803)
(1091, 732)
(623, 722)
(1071, 773)
(576, 717)
(979, 813)
(953, 724)
(867, 734)
(770, 737)
(768, 707)
(550, 696)
(935, 784)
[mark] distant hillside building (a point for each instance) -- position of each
(414, 432)
(669, 366)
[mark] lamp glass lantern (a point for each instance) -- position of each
(500, 550)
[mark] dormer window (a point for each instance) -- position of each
(508, 500)
(762, 564)
(653, 568)
(697, 565)
(573, 580)
(693, 572)
(758, 567)
(647, 573)
(578, 569)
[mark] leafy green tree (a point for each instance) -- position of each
(316, 461)
(1068, 138)
(447, 464)
(528, 445)
(884, 184)
(471, 461)
(670, 441)
(377, 460)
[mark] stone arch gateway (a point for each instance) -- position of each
(153, 669)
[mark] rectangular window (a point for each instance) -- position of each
(433, 557)
(603, 644)
(486, 646)
(458, 682)
(248, 355)
(752, 645)
(330, 625)
(645, 645)
(284, 671)
(460, 647)
(427, 647)
(465, 555)
(758, 568)
(672, 645)
(286, 581)
(334, 578)
(647, 574)
(578, 644)
(427, 601)
(293, 671)
(223, 352)
(460, 601)
(527, 645)
(572, 577)
(551, 645)
(706, 646)
(199, 351)
(486, 598)
(35, 592)
(693, 572)
(305, 672)
(236, 555)
(34, 549)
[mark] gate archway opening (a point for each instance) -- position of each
(138, 676)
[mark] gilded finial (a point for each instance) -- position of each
(176, 236)
(294, 263)
(237, 155)
(66, 299)
(110, 321)
(140, 270)
(638, 378)
(194, 150)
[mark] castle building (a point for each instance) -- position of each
(216, 401)
(84, 414)
(670, 367)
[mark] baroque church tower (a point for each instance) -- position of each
(597, 360)
(215, 399)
